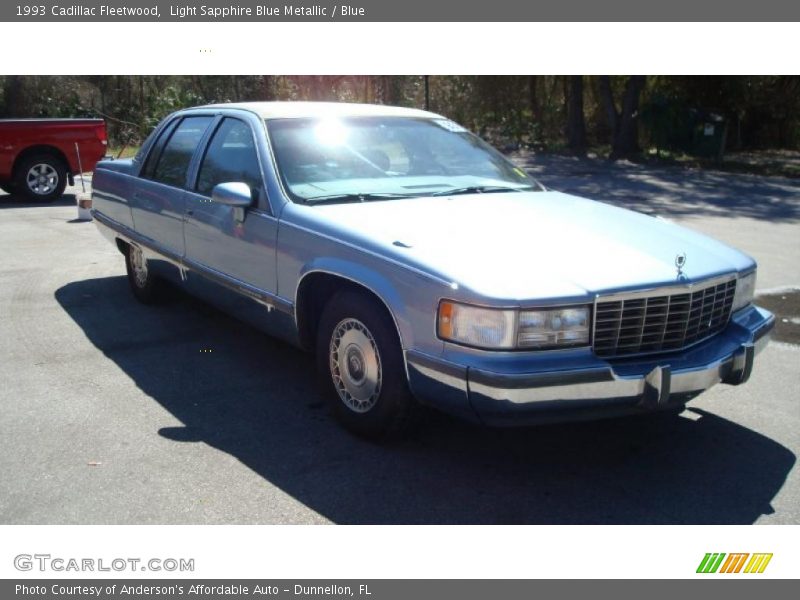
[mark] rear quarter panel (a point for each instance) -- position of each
(112, 189)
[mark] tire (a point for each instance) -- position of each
(361, 370)
(41, 178)
(7, 188)
(146, 287)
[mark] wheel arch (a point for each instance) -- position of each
(40, 149)
(318, 284)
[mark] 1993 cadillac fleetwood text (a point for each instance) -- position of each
(188, 11)
(422, 267)
(79, 10)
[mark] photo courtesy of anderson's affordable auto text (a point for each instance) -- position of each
(388, 300)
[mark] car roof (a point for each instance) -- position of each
(300, 110)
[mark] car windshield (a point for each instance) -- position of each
(383, 158)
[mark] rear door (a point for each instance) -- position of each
(235, 245)
(159, 196)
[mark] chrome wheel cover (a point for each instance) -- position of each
(355, 365)
(138, 266)
(42, 179)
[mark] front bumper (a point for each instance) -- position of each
(505, 394)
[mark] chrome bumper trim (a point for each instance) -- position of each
(592, 386)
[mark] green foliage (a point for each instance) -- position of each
(511, 111)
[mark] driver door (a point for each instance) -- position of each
(229, 245)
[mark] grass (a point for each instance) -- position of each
(123, 151)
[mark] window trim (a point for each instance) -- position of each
(169, 131)
(155, 148)
(261, 196)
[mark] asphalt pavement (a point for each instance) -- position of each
(115, 412)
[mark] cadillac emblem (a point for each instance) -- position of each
(680, 261)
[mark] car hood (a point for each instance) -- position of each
(534, 245)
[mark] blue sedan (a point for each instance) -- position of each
(421, 266)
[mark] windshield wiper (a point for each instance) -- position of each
(482, 189)
(366, 197)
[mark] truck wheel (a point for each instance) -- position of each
(41, 178)
(144, 284)
(360, 363)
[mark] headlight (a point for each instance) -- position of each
(499, 329)
(745, 289)
(550, 328)
(475, 326)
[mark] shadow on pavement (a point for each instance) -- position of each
(668, 191)
(254, 398)
(19, 201)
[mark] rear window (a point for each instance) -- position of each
(171, 160)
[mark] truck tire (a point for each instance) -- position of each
(146, 287)
(41, 178)
(360, 364)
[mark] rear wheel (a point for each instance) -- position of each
(41, 178)
(360, 364)
(144, 284)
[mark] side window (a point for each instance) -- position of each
(172, 164)
(231, 156)
(156, 148)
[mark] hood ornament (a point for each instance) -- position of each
(680, 261)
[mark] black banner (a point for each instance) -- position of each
(393, 589)
(400, 11)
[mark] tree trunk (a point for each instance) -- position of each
(267, 87)
(535, 104)
(623, 123)
(237, 88)
(576, 126)
(626, 140)
(607, 97)
(388, 89)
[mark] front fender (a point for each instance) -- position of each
(308, 244)
(384, 288)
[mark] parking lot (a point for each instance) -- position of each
(115, 412)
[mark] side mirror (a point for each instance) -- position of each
(235, 194)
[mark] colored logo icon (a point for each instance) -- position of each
(719, 562)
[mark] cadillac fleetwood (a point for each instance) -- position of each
(421, 266)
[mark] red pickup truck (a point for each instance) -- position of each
(39, 156)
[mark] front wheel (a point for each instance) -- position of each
(144, 284)
(360, 363)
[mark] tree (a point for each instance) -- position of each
(623, 122)
(576, 126)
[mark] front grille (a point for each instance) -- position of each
(639, 324)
